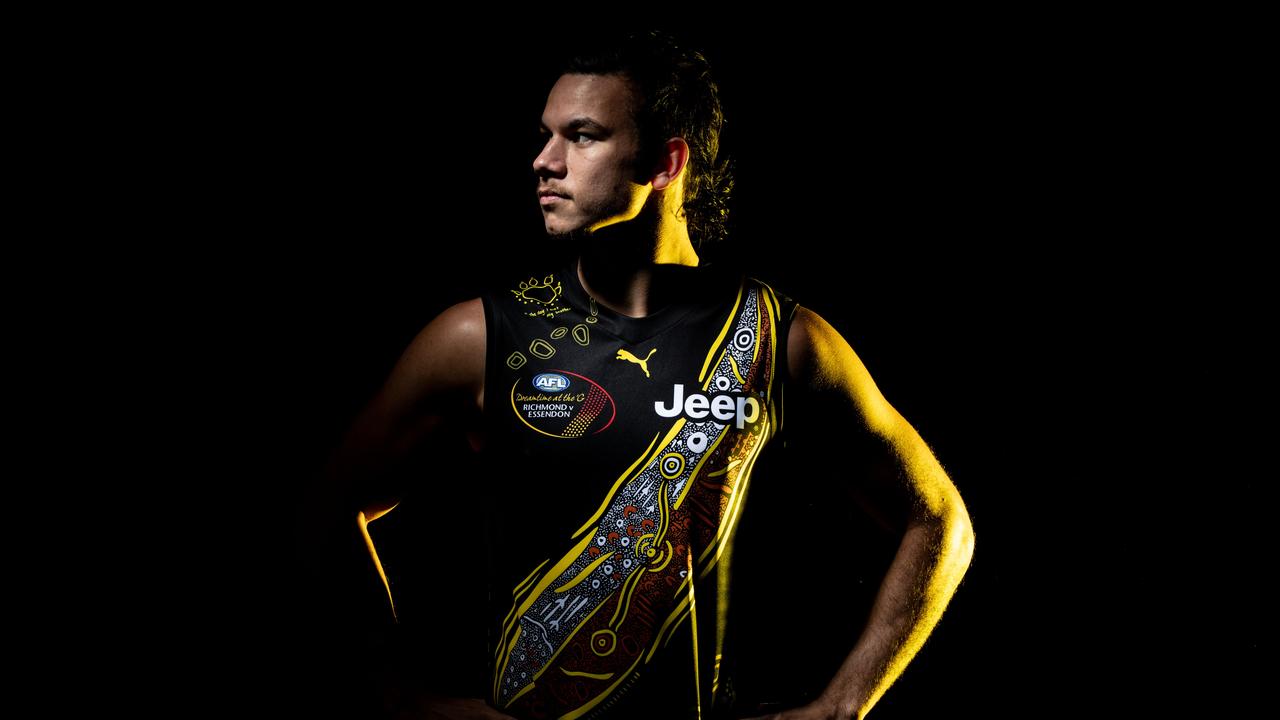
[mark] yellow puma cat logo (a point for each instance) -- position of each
(644, 364)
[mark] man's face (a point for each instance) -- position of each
(589, 159)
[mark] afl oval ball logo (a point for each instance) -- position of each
(563, 404)
(551, 382)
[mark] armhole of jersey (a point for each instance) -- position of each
(787, 310)
(491, 331)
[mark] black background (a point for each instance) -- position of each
(1011, 232)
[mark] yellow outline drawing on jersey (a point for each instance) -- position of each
(544, 293)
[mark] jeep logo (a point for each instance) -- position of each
(739, 407)
(551, 382)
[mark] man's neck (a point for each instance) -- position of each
(636, 274)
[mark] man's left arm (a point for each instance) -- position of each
(906, 490)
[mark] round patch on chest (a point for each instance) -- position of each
(562, 404)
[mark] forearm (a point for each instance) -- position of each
(332, 540)
(932, 558)
(359, 476)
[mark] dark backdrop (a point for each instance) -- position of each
(986, 219)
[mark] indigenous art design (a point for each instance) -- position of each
(543, 295)
(581, 628)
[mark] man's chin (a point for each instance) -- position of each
(576, 236)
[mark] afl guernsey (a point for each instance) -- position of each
(619, 457)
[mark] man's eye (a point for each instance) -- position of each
(579, 137)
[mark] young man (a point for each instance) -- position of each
(621, 402)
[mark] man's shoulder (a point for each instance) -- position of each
(462, 319)
(446, 356)
(778, 300)
(455, 334)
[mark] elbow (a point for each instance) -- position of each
(960, 535)
(957, 529)
(951, 531)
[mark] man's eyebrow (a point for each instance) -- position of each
(579, 123)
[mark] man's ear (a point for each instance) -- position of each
(671, 162)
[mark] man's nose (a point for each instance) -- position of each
(551, 160)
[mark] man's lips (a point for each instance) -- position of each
(546, 197)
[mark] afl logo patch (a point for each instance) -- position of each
(551, 382)
(563, 404)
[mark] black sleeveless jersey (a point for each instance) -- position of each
(618, 460)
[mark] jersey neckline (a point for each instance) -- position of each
(705, 283)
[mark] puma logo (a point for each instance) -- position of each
(644, 364)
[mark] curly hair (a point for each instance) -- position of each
(676, 97)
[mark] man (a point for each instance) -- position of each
(621, 402)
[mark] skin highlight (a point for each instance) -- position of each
(911, 493)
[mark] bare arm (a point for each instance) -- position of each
(438, 379)
(906, 490)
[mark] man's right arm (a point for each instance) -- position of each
(438, 380)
